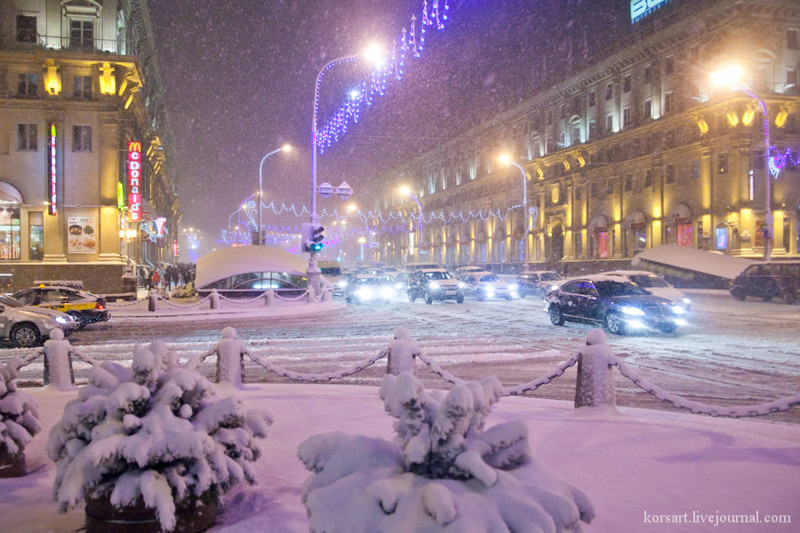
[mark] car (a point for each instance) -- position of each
(362, 288)
(86, 308)
(468, 269)
(434, 284)
(332, 272)
(25, 326)
(487, 286)
(654, 284)
(776, 279)
(616, 303)
(537, 282)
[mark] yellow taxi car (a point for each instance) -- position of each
(85, 307)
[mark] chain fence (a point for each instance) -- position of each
(314, 378)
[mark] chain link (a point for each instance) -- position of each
(185, 306)
(295, 299)
(544, 380)
(736, 411)
(116, 305)
(314, 378)
(248, 301)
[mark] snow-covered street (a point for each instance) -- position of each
(734, 353)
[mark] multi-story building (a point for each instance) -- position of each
(86, 184)
(637, 149)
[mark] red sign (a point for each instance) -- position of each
(135, 181)
(52, 172)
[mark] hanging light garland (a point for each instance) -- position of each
(375, 84)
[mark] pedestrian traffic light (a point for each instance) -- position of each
(312, 237)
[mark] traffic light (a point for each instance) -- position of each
(312, 237)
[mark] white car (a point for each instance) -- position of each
(654, 284)
(488, 286)
(25, 326)
(469, 269)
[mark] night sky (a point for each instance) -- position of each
(240, 76)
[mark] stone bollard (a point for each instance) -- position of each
(214, 299)
(312, 296)
(401, 353)
(595, 386)
(230, 358)
(269, 297)
(152, 298)
(57, 363)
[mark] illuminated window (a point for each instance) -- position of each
(36, 235)
(793, 39)
(26, 29)
(27, 137)
(83, 87)
(626, 83)
(9, 231)
(81, 138)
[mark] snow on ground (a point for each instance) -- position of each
(645, 471)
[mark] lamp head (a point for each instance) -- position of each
(286, 148)
(404, 190)
(504, 159)
(728, 76)
(374, 54)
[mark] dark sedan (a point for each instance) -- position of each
(617, 304)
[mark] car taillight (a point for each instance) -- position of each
(100, 305)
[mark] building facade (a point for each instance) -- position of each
(637, 149)
(86, 185)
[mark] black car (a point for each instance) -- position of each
(777, 279)
(619, 305)
(85, 307)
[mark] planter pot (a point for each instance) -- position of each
(191, 516)
(11, 465)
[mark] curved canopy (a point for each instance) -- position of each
(228, 262)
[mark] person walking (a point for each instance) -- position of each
(156, 279)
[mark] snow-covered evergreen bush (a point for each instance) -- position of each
(184, 291)
(445, 473)
(19, 417)
(152, 433)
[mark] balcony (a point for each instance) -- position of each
(79, 44)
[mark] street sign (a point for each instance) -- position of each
(344, 190)
(325, 190)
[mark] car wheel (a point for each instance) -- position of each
(738, 294)
(556, 316)
(614, 324)
(428, 299)
(24, 335)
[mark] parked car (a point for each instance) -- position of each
(537, 282)
(776, 279)
(85, 307)
(25, 326)
(618, 304)
(654, 284)
(434, 284)
(362, 288)
(487, 286)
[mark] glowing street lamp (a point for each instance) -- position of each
(731, 77)
(373, 54)
(284, 148)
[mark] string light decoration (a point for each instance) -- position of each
(376, 83)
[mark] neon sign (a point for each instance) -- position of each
(52, 171)
(642, 8)
(135, 181)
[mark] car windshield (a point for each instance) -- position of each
(11, 302)
(550, 276)
(649, 281)
(490, 277)
(608, 289)
(437, 275)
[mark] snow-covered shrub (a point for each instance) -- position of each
(19, 417)
(444, 473)
(184, 291)
(153, 434)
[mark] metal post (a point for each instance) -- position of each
(260, 193)
(524, 211)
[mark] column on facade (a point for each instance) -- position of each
(704, 224)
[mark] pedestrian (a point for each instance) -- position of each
(156, 279)
(169, 274)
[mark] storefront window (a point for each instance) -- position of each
(36, 237)
(9, 231)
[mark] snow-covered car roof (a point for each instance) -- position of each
(630, 273)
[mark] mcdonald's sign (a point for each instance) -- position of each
(135, 181)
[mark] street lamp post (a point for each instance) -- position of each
(731, 76)
(284, 148)
(372, 54)
(407, 191)
(506, 159)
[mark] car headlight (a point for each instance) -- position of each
(633, 311)
(62, 320)
(398, 286)
(365, 293)
(553, 287)
(387, 292)
(686, 300)
(435, 285)
(462, 285)
(513, 287)
(490, 291)
(678, 310)
(341, 284)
